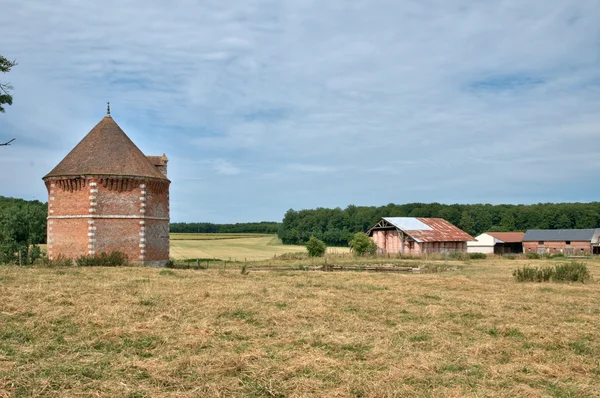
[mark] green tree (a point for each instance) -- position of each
(5, 97)
(362, 244)
(467, 223)
(315, 247)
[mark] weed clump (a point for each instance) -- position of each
(533, 256)
(58, 262)
(571, 272)
(477, 256)
(567, 272)
(114, 259)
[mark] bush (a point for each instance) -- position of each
(477, 256)
(567, 272)
(533, 256)
(362, 244)
(533, 274)
(60, 261)
(571, 272)
(315, 247)
(114, 259)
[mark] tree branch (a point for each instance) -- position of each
(7, 143)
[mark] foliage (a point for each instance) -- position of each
(477, 256)
(5, 97)
(114, 259)
(533, 256)
(362, 244)
(337, 226)
(315, 247)
(58, 262)
(533, 274)
(571, 272)
(567, 272)
(263, 227)
(22, 228)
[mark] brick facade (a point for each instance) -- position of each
(556, 247)
(94, 215)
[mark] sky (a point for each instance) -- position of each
(263, 106)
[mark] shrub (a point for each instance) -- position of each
(567, 272)
(509, 256)
(571, 272)
(533, 274)
(477, 256)
(362, 244)
(315, 247)
(533, 256)
(60, 261)
(114, 259)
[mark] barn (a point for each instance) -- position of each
(497, 243)
(416, 235)
(105, 196)
(565, 241)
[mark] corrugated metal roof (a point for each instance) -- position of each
(429, 229)
(508, 237)
(559, 235)
(408, 223)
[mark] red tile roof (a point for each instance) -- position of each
(106, 150)
(508, 237)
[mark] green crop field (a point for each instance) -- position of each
(237, 247)
(147, 332)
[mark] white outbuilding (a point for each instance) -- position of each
(497, 243)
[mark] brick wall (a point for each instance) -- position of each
(90, 216)
(579, 247)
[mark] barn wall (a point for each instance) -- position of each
(389, 241)
(579, 247)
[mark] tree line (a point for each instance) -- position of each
(264, 227)
(22, 227)
(336, 227)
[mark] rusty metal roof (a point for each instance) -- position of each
(429, 229)
(106, 150)
(508, 237)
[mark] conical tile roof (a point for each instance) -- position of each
(106, 150)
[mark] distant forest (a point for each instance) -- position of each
(264, 227)
(23, 222)
(336, 226)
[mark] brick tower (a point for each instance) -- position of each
(106, 195)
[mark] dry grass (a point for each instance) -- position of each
(147, 332)
(237, 248)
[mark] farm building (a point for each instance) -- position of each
(105, 196)
(565, 241)
(411, 235)
(497, 243)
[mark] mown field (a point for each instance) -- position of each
(234, 247)
(147, 332)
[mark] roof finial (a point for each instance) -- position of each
(108, 109)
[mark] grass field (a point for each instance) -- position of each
(147, 332)
(237, 247)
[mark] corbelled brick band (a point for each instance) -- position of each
(116, 208)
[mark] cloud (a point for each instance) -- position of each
(313, 103)
(225, 168)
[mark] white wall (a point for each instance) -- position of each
(483, 243)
